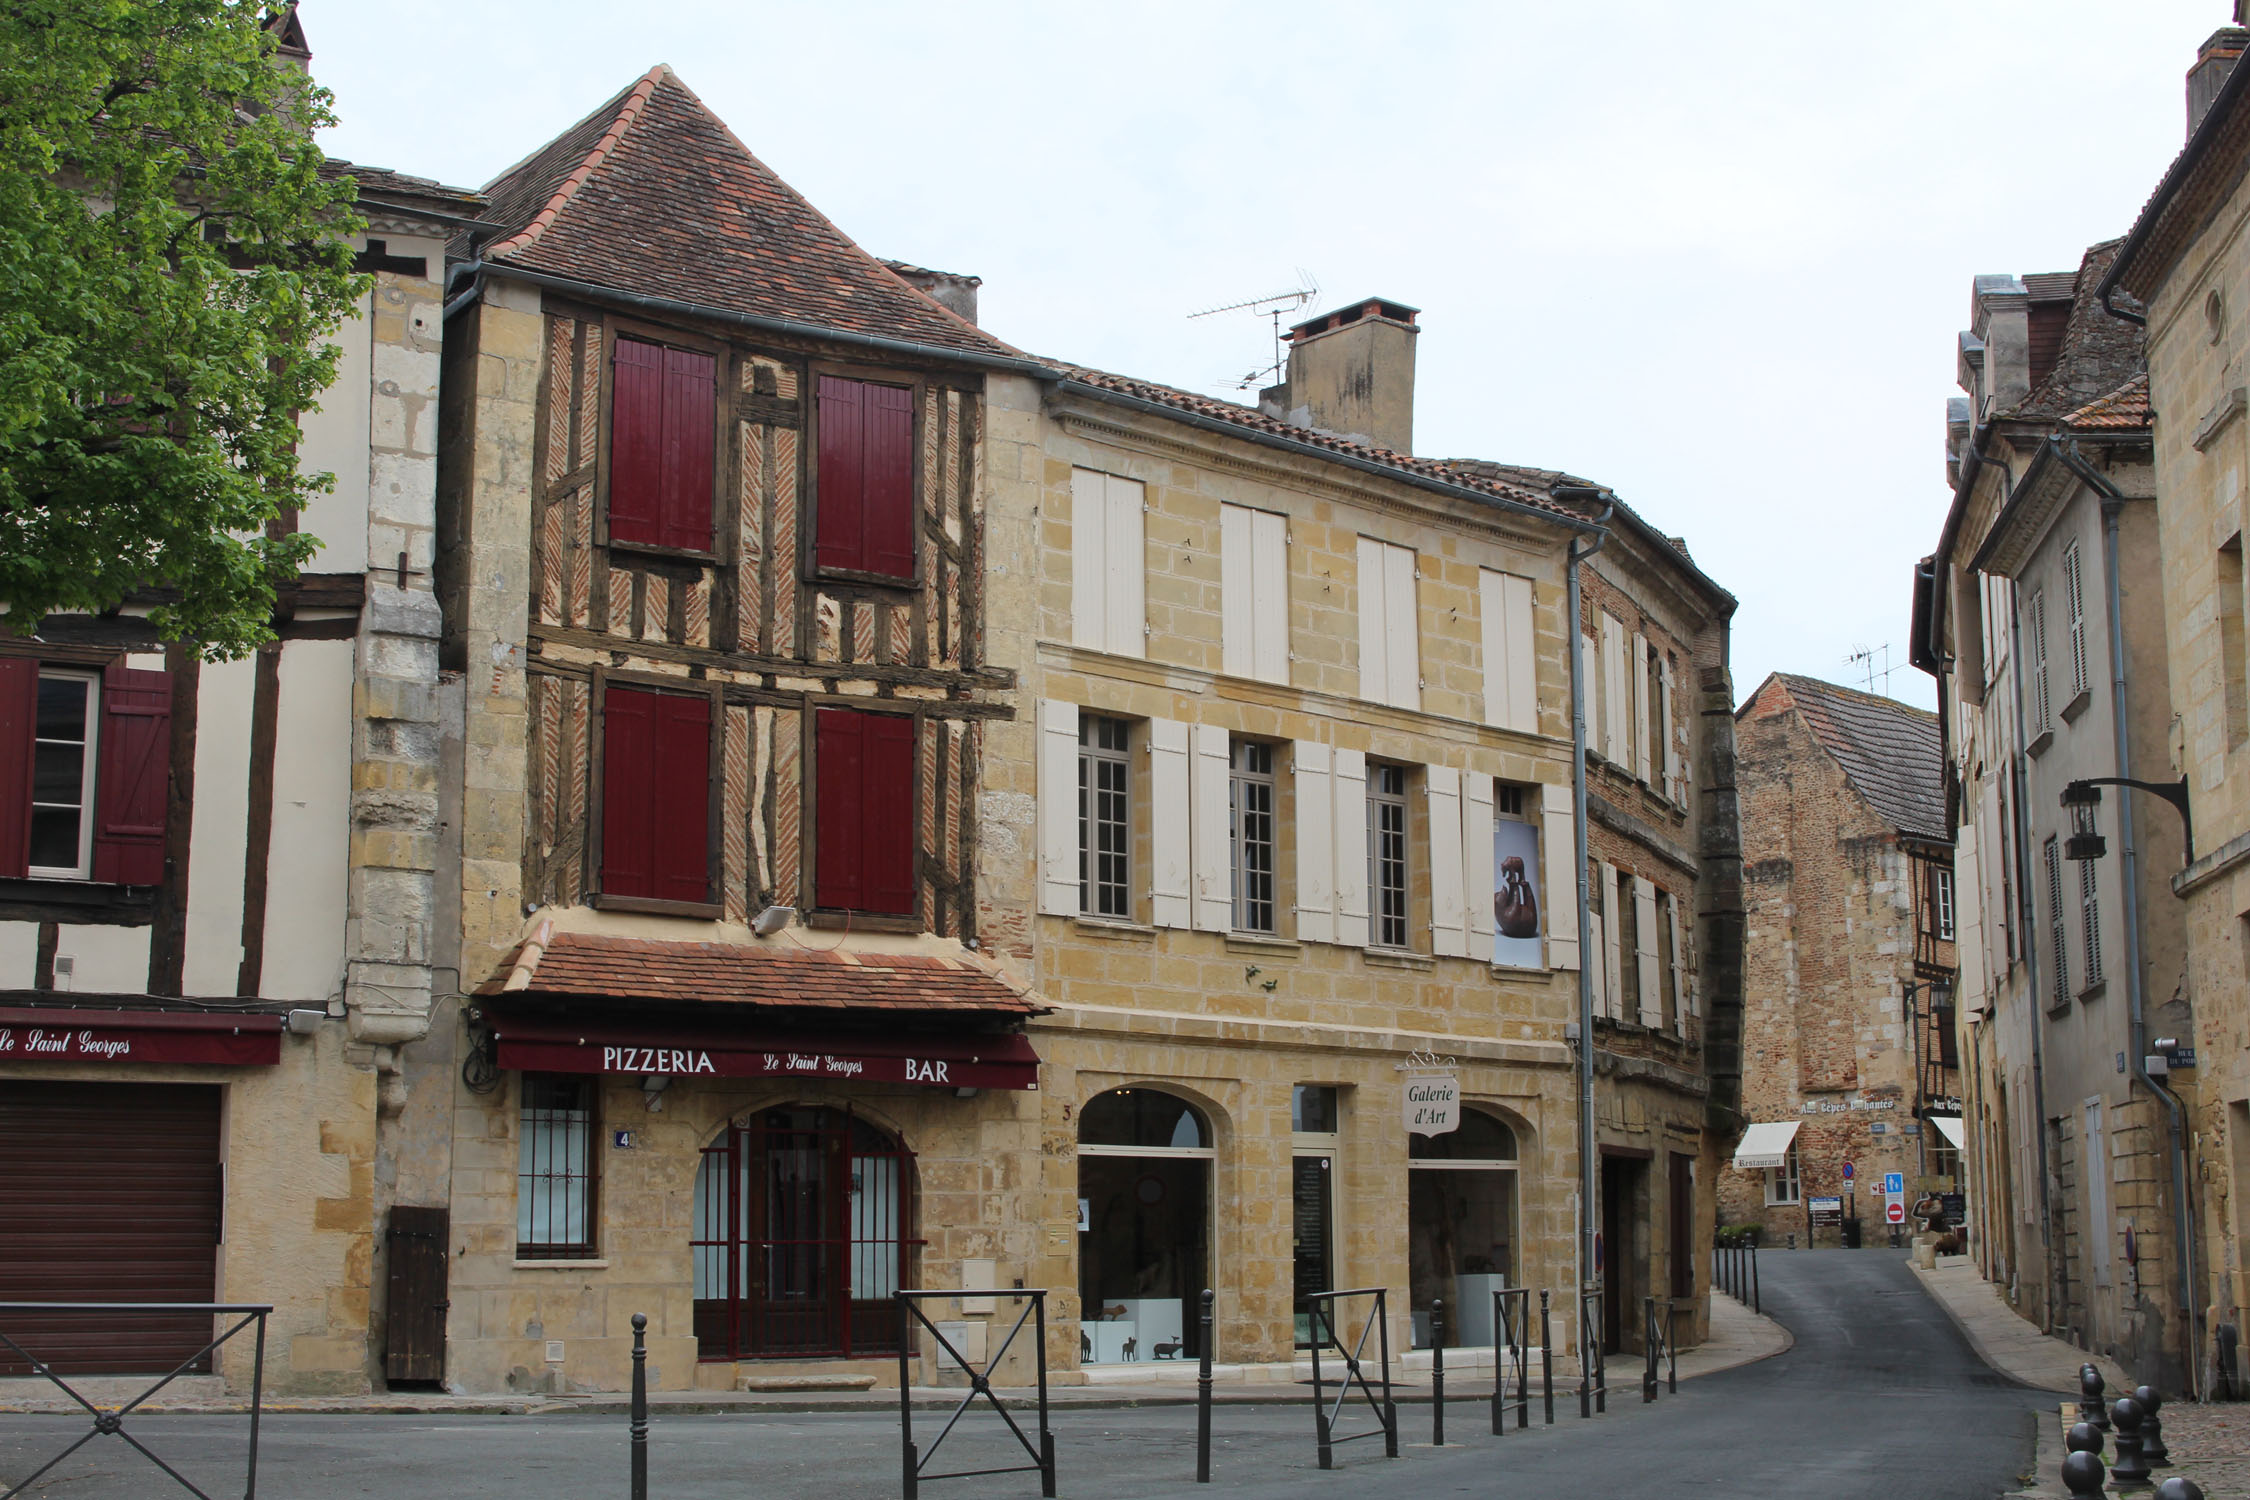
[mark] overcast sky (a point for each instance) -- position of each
(1713, 255)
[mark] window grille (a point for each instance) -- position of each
(1105, 820)
(555, 1169)
(1386, 852)
(1250, 791)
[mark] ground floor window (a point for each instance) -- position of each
(1461, 1226)
(1782, 1182)
(1144, 1226)
(555, 1168)
(803, 1232)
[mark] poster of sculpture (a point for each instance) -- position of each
(1515, 896)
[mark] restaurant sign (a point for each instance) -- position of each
(117, 1037)
(961, 1061)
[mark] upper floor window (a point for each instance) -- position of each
(2074, 597)
(864, 521)
(1254, 593)
(1251, 789)
(1511, 662)
(863, 774)
(663, 432)
(1108, 563)
(1105, 818)
(1390, 662)
(656, 796)
(1386, 854)
(2035, 625)
(1941, 902)
(85, 763)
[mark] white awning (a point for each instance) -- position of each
(1765, 1144)
(1949, 1126)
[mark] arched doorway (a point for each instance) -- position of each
(1461, 1225)
(803, 1231)
(1144, 1225)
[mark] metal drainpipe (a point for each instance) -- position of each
(2113, 503)
(1587, 1183)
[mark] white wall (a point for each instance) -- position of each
(335, 442)
(312, 775)
(222, 810)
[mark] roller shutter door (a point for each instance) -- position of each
(109, 1192)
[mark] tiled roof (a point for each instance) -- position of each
(651, 194)
(1888, 750)
(2126, 407)
(773, 974)
(1253, 420)
(2050, 286)
(2099, 352)
(1546, 480)
(383, 183)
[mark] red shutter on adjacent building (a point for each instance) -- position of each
(656, 789)
(636, 443)
(135, 779)
(19, 719)
(863, 770)
(690, 388)
(866, 502)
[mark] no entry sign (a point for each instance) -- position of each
(1894, 1212)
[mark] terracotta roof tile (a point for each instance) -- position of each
(782, 976)
(2124, 408)
(2098, 351)
(652, 194)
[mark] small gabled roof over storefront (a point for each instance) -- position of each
(652, 195)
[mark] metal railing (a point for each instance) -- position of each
(1593, 1365)
(1511, 1322)
(110, 1421)
(1663, 1356)
(1734, 1270)
(913, 1462)
(1325, 1331)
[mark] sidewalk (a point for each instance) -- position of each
(2004, 1340)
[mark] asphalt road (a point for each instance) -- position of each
(1881, 1398)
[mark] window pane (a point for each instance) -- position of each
(555, 1167)
(62, 708)
(1141, 1117)
(1386, 853)
(54, 837)
(58, 774)
(1312, 1109)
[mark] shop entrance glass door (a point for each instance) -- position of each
(1144, 1213)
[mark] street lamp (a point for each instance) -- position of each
(2083, 796)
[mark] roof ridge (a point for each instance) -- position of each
(628, 107)
(1876, 700)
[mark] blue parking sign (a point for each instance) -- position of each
(1894, 1182)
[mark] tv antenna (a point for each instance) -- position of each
(1273, 307)
(1874, 663)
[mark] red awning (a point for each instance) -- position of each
(691, 1050)
(62, 1035)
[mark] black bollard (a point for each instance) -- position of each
(2090, 1405)
(2084, 1437)
(2179, 1488)
(640, 1406)
(1547, 1358)
(1437, 1372)
(1203, 1400)
(2131, 1467)
(2152, 1428)
(2082, 1473)
(2229, 1339)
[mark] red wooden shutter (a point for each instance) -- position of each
(680, 798)
(888, 470)
(839, 766)
(690, 391)
(887, 794)
(19, 719)
(840, 539)
(628, 777)
(636, 444)
(136, 776)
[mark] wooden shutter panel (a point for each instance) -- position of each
(1596, 962)
(839, 772)
(680, 797)
(1315, 796)
(1644, 952)
(1374, 620)
(690, 412)
(1269, 596)
(1558, 855)
(1211, 829)
(1125, 557)
(1350, 768)
(136, 762)
(1089, 560)
(840, 531)
(1402, 630)
(1237, 656)
(1613, 936)
(1683, 1001)
(1170, 875)
(636, 443)
(1477, 834)
(1668, 713)
(1442, 785)
(887, 467)
(1617, 735)
(1643, 739)
(1511, 686)
(1590, 691)
(628, 781)
(887, 791)
(1059, 826)
(19, 719)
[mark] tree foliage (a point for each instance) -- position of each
(171, 258)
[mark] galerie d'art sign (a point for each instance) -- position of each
(1432, 1104)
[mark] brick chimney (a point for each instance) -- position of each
(1351, 375)
(2214, 60)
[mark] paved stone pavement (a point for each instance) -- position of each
(2004, 1338)
(1880, 1396)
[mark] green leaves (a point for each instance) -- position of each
(171, 258)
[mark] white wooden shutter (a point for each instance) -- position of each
(1644, 951)
(1402, 627)
(1669, 711)
(1351, 847)
(1211, 829)
(1236, 651)
(1269, 596)
(1315, 795)
(1170, 875)
(1374, 619)
(1558, 857)
(1595, 962)
(1617, 735)
(1476, 863)
(1643, 740)
(1613, 933)
(1590, 691)
(1442, 785)
(1058, 808)
(1125, 557)
(1684, 1001)
(1511, 686)
(1089, 559)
